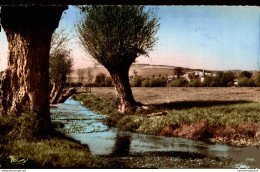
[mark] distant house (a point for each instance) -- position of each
(235, 82)
(186, 77)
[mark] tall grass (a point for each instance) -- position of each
(21, 138)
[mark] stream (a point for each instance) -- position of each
(89, 128)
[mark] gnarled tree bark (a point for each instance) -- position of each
(26, 81)
(124, 94)
(57, 90)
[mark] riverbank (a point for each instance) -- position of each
(174, 160)
(124, 149)
(22, 147)
(234, 121)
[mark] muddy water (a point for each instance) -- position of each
(89, 128)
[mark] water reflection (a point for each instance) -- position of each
(122, 144)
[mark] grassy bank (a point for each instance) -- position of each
(22, 147)
(233, 122)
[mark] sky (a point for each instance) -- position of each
(205, 37)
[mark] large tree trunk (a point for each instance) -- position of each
(125, 97)
(26, 82)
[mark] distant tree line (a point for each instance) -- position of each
(101, 80)
(154, 82)
(222, 79)
(246, 80)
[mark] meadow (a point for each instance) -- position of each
(227, 114)
(157, 95)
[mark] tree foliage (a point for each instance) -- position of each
(207, 81)
(157, 82)
(178, 71)
(61, 64)
(245, 74)
(59, 41)
(242, 82)
(81, 74)
(257, 81)
(116, 35)
(177, 83)
(194, 83)
(100, 78)
(109, 82)
(145, 83)
(223, 79)
(137, 81)
(90, 76)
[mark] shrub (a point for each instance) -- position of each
(230, 83)
(227, 78)
(242, 82)
(194, 83)
(100, 78)
(251, 82)
(136, 82)
(103, 81)
(213, 84)
(162, 82)
(207, 81)
(257, 81)
(109, 82)
(145, 83)
(153, 83)
(178, 83)
(245, 74)
(157, 82)
(223, 78)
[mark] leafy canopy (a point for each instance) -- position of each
(116, 35)
(60, 65)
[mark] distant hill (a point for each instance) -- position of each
(144, 70)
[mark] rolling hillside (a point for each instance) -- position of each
(144, 70)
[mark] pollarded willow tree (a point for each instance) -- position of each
(115, 36)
